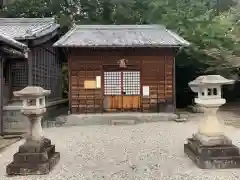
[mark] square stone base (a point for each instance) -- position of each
(212, 157)
(212, 140)
(34, 161)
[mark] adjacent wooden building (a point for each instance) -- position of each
(9, 49)
(116, 68)
(42, 67)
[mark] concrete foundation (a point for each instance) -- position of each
(15, 122)
(117, 118)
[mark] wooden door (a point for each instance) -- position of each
(122, 91)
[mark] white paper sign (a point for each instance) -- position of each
(98, 81)
(145, 90)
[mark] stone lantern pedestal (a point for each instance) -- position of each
(209, 148)
(37, 155)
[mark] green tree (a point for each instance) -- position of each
(212, 27)
(212, 41)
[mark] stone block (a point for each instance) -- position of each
(212, 141)
(33, 146)
(212, 157)
(34, 162)
(123, 122)
(34, 157)
(181, 120)
(33, 168)
(212, 151)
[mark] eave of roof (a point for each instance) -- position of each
(11, 52)
(143, 37)
(13, 43)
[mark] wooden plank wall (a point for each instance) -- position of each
(81, 99)
(156, 72)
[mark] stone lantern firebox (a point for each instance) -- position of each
(37, 155)
(209, 147)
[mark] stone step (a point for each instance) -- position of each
(206, 152)
(34, 147)
(212, 162)
(123, 122)
(34, 157)
(33, 168)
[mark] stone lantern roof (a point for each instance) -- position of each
(32, 91)
(210, 80)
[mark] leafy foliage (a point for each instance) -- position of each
(210, 36)
(213, 37)
(212, 26)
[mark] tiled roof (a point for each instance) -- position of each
(11, 42)
(27, 28)
(120, 36)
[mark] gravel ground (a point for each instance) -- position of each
(140, 152)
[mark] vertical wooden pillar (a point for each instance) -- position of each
(70, 81)
(174, 85)
(102, 86)
(10, 80)
(165, 83)
(30, 67)
(1, 96)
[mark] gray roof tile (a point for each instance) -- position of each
(11, 42)
(27, 28)
(120, 36)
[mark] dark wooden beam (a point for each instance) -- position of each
(10, 79)
(30, 67)
(42, 40)
(1, 96)
(8, 51)
(70, 82)
(45, 49)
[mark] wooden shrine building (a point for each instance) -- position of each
(9, 50)
(41, 68)
(116, 68)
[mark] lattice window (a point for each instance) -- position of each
(131, 83)
(19, 74)
(112, 83)
(47, 71)
(122, 83)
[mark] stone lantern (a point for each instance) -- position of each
(37, 155)
(209, 147)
